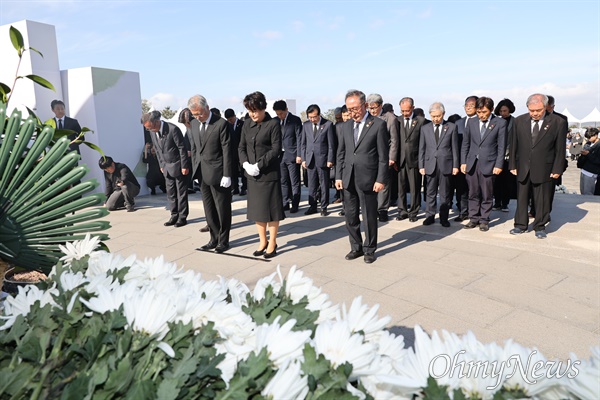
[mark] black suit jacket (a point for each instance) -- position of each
(368, 160)
(73, 125)
(409, 142)
(236, 135)
(291, 137)
(444, 154)
(211, 153)
(261, 144)
(171, 150)
(318, 150)
(543, 157)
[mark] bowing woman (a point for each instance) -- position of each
(260, 152)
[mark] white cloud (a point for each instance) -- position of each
(162, 100)
(268, 35)
(376, 24)
(297, 26)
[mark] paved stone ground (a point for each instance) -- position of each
(541, 293)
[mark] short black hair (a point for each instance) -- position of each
(105, 162)
(255, 101)
(185, 116)
(591, 132)
(453, 118)
(471, 98)
(280, 105)
(505, 102)
(229, 113)
(484, 102)
(216, 111)
(313, 108)
(55, 103)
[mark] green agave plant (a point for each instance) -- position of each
(40, 194)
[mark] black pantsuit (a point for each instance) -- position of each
(481, 195)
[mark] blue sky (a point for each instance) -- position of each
(314, 51)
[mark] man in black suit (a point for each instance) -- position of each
(459, 181)
(408, 160)
(375, 107)
(438, 160)
(537, 156)
(120, 185)
(291, 129)
(558, 181)
(318, 146)
(363, 162)
(63, 122)
(482, 156)
(174, 164)
(235, 125)
(210, 139)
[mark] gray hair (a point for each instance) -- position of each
(152, 116)
(375, 98)
(437, 106)
(197, 101)
(407, 99)
(356, 93)
(537, 98)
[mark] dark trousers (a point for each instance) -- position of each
(542, 198)
(355, 201)
(318, 178)
(177, 195)
(435, 181)
(481, 193)
(235, 181)
(156, 179)
(459, 184)
(290, 182)
(384, 197)
(122, 196)
(413, 178)
(502, 187)
(217, 209)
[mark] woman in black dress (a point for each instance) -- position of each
(260, 152)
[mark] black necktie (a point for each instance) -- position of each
(60, 124)
(406, 124)
(536, 130)
(315, 129)
(202, 132)
(436, 133)
(483, 127)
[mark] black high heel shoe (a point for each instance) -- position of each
(259, 253)
(271, 255)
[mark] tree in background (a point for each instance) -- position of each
(167, 113)
(146, 106)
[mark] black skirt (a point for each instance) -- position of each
(265, 202)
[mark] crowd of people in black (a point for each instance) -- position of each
(374, 159)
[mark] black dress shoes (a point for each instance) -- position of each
(242, 192)
(461, 218)
(342, 213)
(413, 219)
(429, 220)
(369, 258)
(517, 231)
(271, 254)
(259, 253)
(221, 248)
(401, 217)
(294, 210)
(445, 224)
(324, 213)
(180, 223)
(310, 211)
(354, 255)
(171, 222)
(471, 225)
(205, 229)
(383, 216)
(484, 227)
(208, 246)
(541, 234)
(286, 207)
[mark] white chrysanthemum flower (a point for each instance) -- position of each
(386, 386)
(288, 383)
(586, 383)
(237, 290)
(151, 268)
(355, 392)
(164, 346)
(281, 342)
(79, 249)
(228, 365)
(110, 298)
(69, 280)
(232, 323)
(22, 302)
(262, 284)
(390, 345)
(361, 318)
(101, 262)
(338, 344)
(148, 312)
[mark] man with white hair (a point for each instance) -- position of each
(536, 157)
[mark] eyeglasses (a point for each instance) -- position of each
(376, 107)
(356, 109)
(468, 106)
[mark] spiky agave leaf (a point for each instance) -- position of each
(41, 196)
